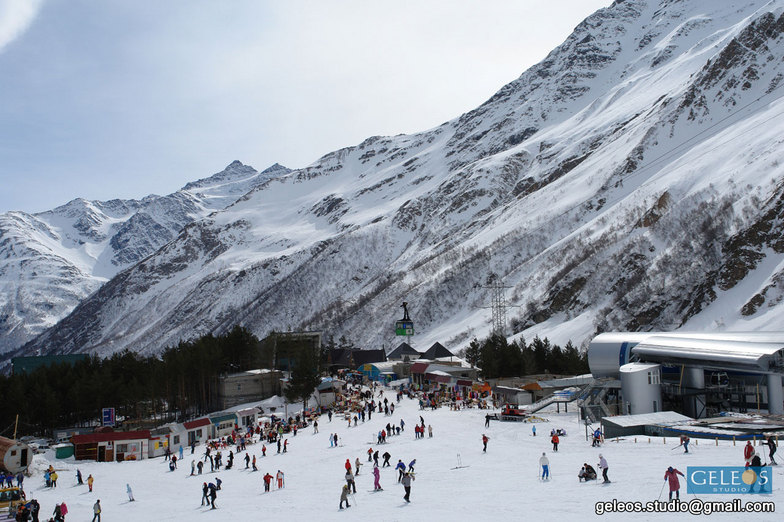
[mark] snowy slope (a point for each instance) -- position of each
(50, 261)
(501, 484)
(631, 180)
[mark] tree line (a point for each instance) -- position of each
(499, 358)
(175, 385)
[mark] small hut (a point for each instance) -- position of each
(15, 456)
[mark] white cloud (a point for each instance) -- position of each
(15, 17)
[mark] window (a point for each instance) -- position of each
(122, 448)
(198, 433)
(176, 439)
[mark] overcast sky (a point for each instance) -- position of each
(124, 98)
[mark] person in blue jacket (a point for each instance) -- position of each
(401, 468)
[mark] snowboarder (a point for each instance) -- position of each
(685, 443)
(485, 438)
(97, 511)
(554, 439)
(604, 467)
(130, 492)
(772, 448)
(90, 480)
(376, 478)
(671, 475)
(344, 497)
(545, 463)
(407, 478)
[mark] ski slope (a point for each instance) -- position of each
(499, 485)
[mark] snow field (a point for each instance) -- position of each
(502, 484)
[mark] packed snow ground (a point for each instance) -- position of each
(502, 484)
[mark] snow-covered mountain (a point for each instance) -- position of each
(634, 179)
(51, 261)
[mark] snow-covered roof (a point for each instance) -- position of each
(642, 419)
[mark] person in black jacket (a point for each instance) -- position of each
(772, 448)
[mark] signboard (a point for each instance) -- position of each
(108, 416)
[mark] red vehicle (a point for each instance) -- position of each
(513, 410)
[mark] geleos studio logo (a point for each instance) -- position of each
(729, 480)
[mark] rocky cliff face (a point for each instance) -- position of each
(631, 180)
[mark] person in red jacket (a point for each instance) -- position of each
(672, 476)
(748, 452)
(555, 441)
(348, 465)
(485, 438)
(267, 481)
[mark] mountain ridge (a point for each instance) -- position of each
(598, 187)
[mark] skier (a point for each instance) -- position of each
(357, 464)
(411, 466)
(267, 481)
(180, 452)
(348, 465)
(281, 482)
(350, 481)
(545, 463)
(79, 478)
(90, 480)
(533, 429)
(285, 445)
(370, 454)
(597, 438)
(401, 469)
(213, 495)
(430, 431)
(218, 483)
(671, 475)
(263, 450)
(35, 507)
(485, 438)
(278, 445)
(375, 458)
(247, 461)
(315, 427)
(376, 478)
(772, 447)
(130, 492)
(487, 420)
(97, 511)
(200, 467)
(386, 456)
(685, 443)
(205, 492)
(344, 497)
(748, 452)
(554, 439)
(407, 478)
(604, 467)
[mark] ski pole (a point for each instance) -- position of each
(662, 490)
(354, 498)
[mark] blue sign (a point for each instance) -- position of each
(108, 416)
(731, 480)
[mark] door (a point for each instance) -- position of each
(101, 453)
